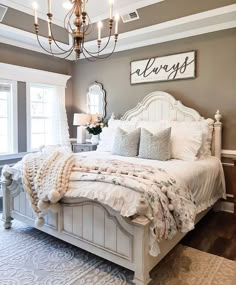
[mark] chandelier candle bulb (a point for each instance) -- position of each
(49, 7)
(111, 9)
(117, 22)
(99, 30)
(84, 1)
(35, 7)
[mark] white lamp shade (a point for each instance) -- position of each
(81, 119)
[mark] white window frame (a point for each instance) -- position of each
(30, 75)
(28, 110)
(13, 120)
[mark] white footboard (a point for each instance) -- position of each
(91, 226)
(93, 223)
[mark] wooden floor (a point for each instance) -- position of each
(216, 234)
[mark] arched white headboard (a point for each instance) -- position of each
(163, 106)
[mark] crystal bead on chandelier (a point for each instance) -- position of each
(80, 28)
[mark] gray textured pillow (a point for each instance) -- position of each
(126, 144)
(155, 146)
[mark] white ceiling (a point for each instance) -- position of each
(97, 9)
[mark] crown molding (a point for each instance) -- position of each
(25, 74)
(206, 22)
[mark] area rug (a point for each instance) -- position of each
(189, 266)
(30, 257)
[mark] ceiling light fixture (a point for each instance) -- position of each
(80, 28)
(67, 5)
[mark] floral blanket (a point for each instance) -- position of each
(171, 208)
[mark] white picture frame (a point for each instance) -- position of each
(165, 68)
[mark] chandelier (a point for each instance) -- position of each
(78, 25)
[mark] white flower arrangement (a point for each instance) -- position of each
(95, 128)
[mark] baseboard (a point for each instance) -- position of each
(226, 206)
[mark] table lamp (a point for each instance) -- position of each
(81, 120)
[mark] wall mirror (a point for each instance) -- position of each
(96, 100)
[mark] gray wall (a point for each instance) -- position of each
(22, 57)
(214, 88)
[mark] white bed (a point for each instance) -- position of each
(94, 226)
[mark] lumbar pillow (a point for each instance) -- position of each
(155, 146)
(126, 144)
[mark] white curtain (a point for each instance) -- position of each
(60, 129)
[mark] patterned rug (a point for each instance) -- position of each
(30, 257)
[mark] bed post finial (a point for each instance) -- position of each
(142, 210)
(217, 143)
(218, 116)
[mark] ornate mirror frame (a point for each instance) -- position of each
(97, 87)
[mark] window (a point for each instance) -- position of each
(40, 116)
(46, 116)
(8, 117)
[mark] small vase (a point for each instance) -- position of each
(95, 139)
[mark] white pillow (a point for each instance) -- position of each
(106, 139)
(190, 132)
(153, 126)
(186, 140)
(127, 126)
(107, 136)
(205, 127)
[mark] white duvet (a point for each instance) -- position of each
(204, 178)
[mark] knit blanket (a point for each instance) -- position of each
(46, 177)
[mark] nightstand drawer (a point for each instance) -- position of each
(81, 148)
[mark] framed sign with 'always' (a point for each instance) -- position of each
(165, 68)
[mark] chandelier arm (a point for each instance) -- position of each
(99, 56)
(101, 50)
(89, 58)
(88, 30)
(69, 27)
(110, 54)
(69, 54)
(69, 14)
(55, 42)
(49, 51)
(42, 45)
(89, 26)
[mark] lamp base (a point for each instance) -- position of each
(81, 134)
